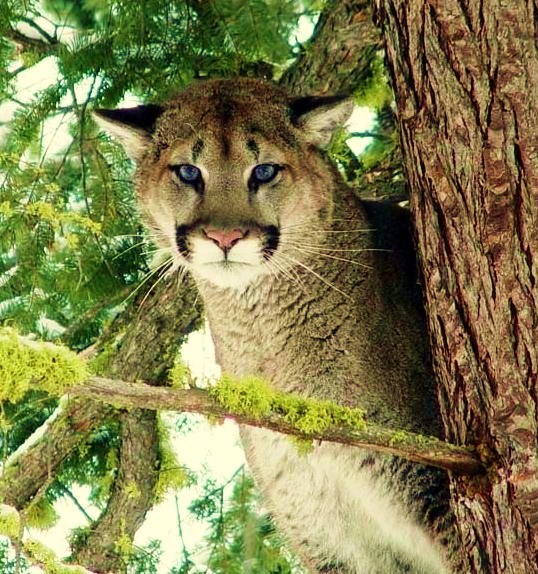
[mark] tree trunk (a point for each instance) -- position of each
(133, 494)
(465, 75)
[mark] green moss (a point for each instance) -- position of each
(179, 375)
(398, 438)
(41, 514)
(26, 364)
(402, 438)
(39, 554)
(249, 395)
(254, 396)
(132, 490)
(106, 482)
(303, 446)
(10, 521)
(374, 91)
(124, 545)
(172, 476)
(99, 364)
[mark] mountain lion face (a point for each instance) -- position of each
(230, 178)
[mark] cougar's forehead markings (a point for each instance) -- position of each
(197, 149)
(254, 148)
(225, 142)
(225, 111)
(276, 129)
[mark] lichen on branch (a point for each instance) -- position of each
(290, 415)
(26, 364)
(254, 396)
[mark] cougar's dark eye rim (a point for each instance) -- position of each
(187, 173)
(265, 172)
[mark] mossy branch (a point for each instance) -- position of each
(278, 414)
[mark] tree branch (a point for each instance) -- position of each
(414, 447)
(75, 501)
(44, 48)
(50, 39)
(131, 498)
(27, 476)
(337, 58)
(368, 134)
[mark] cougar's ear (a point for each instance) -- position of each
(320, 116)
(131, 126)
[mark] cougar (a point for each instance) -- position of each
(310, 288)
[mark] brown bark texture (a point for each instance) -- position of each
(338, 55)
(132, 495)
(27, 476)
(465, 76)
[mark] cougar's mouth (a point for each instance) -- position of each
(228, 257)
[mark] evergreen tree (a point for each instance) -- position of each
(241, 539)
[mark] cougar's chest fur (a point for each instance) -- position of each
(344, 329)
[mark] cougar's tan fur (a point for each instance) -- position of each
(330, 309)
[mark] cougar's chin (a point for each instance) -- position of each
(229, 275)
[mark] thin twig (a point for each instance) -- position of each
(75, 500)
(50, 39)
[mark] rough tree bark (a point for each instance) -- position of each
(465, 75)
(338, 56)
(133, 494)
(27, 475)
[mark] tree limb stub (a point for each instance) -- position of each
(412, 446)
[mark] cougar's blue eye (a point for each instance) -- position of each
(264, 172)
(187, 173)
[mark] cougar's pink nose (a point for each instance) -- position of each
(225, 238)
